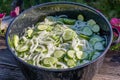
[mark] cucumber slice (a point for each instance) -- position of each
(59, 54)
(69, 21)
(50, 28)
(22, 48)
(42, 27)
(95, 39)
(84, 36)
(29, 32)
(91, 22)
(71, 53)
(87, 31)
(96, 54)
(55, 37)
(79, 54)
(50, 18)
(90, 55)
(30, 61)
(80, 17)
(98, 46)
(104, 43)
(68, 34)
(38, 49)
(80, 47)
(66, 58)
(84, 55)
(95, 28)
(10, 42)
(15, 40)
(71, 63)
(49, 61)
(61, 19)
(85, 61)
(44, 51)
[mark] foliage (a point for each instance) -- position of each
(5, 6)
(110, 8)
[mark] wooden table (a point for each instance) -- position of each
(110, 69)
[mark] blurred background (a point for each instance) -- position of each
(110, 8)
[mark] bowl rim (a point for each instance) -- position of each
(67, 69)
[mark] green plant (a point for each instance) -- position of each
(5, 6)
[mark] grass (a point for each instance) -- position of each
(110, 8)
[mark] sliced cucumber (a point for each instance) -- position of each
(71, 63)
(80, 47)
(84, 36)
(91, 22)
(44, 51)
(69, 21)
(61, 19)
(30, 61)
(15, 40)
(22, 48)
(85, 61)
(59, 53)
(95, 28)
(79, 54)
(91, 53)
(104, 43)
(68, 34)
(84, 55)
(42, 27)
(87, 31)
(38, 49)
(71, 53)
(80, 17)
(49, 61)
(10, 42)
(50, 28)
(66, 58)
(95, 39)
(29, 32)
(98, 46)
(55, 37)
(96, 54)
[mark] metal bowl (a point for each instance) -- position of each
(38, 13)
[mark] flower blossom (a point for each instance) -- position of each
(15, 12)
(2, 15)
(115, 22)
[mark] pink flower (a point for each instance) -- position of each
(2, 15)
(115, 22)
(15, 12)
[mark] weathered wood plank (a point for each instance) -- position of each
(110, 70)
(2, 43)
(106, 77)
